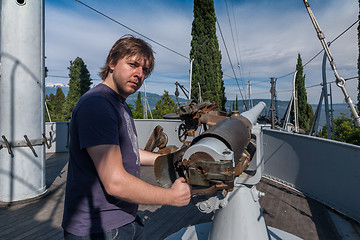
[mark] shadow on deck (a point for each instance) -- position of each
(41, 218)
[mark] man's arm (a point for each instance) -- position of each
(147, 158)
(119, 183)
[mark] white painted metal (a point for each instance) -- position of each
(325, 170)
(191, 66)
(145, 127)
(212, 146)
(22, 174)
(253, 114)
(60, 136)
(296, 119)
(257, 163)
(242, 218)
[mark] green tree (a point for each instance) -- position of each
(358, 96)
(206, 55)
(344, 130)
(305, 113)
(138, 112)
(237, 104)
(163, 106)
(58, 103)
(79, 83)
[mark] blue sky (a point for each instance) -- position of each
(268, 35)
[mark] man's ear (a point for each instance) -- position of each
(112, 65)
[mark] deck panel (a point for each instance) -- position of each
(283, 208)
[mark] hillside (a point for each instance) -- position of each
(153, 98)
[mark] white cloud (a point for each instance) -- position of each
(270, 37)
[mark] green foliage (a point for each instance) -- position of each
(207, 57)
(305, 113)
(237, 104)
(163, 106)
(79, 83)
(358, 63)
(55, 105)
(344, 130)
(138, 111)
(58, 103)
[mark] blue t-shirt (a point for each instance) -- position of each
(100, 117)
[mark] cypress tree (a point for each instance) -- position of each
(237, 104)
(58, 103)
(206, 54)
(139, 108)
(358, 96)
(306, 113)
(79, 83)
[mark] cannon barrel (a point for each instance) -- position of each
(253, 114)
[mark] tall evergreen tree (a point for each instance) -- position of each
(58, 103)
(206, 54)
(358, 96)
(306, 113)
(79, 84)
(138, 112)
(164, 105)
(237, 104)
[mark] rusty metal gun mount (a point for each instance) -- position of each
(214, 159)
(196, 114)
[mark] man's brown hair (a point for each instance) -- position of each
(129, 46)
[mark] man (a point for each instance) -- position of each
(103, 185)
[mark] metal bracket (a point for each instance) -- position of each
(26, 143)
(6, 144)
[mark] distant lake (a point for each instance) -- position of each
(338, 109)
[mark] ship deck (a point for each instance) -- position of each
(283, 208)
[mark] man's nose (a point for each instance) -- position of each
(139, 72)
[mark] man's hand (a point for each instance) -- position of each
(181, 192)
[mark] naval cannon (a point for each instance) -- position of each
(222, 165)
(214, 159)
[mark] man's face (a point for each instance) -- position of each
(128, 75)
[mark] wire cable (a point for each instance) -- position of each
(227, 52)
(347, 29)
(110, 18)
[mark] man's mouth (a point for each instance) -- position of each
(135, 84)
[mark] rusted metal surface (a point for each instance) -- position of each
(212, 118)
(166, 168)
(157, 139)
(194, 114)
(245, 159)
(216, 156)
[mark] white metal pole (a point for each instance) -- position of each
(296, 120)
(145, 103)
(191, 65)
(22, 166)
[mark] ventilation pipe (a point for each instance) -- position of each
(22, 127)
